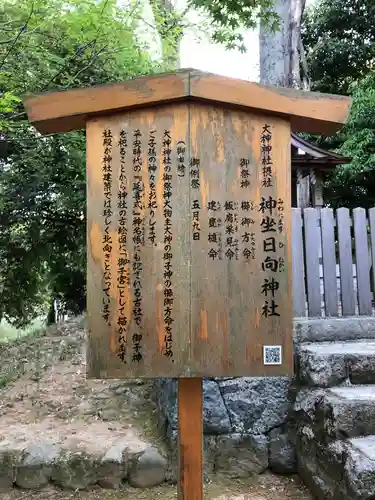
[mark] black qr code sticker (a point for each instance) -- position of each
(272, 355)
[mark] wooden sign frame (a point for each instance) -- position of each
(253, 118)
(228, 206)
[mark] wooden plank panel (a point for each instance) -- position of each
(298, 265)
(148, 275)
(53, 112)
(312, 246)
(230, 293)
(371, 214)
(329, 262)
(312, 112)
(345, 261)
(69, 110)
(158, 303)
(190, 439)
(362, 261)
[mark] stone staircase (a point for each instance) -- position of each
(335, 415)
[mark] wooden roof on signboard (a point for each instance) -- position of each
(69, 110)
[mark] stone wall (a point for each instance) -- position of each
(249, 422)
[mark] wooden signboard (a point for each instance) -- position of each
(188, 229)
(188, 241)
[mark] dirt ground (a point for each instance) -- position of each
(43, 391)
(50, 396)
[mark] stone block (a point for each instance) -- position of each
(346, 411)
(240, 455)
(166, 389)
(326, 364)
(321, 467)
(10, 458)
(75, 470)
(215, 415)
(333, 329)
(148, 469)
(257, 404)
(112, 468)
(35, 469)
(282, 452)
(359, 472)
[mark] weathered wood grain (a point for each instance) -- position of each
(53, 112)
(298, 265)
(307, 111)
(362, 261)
(190, 439)
(329, 262)
(218, 328)
(312, 245)
(103, 360)
(346, 262)
(228, 329)
(70, 110)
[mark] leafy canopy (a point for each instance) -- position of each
(58, 44)
(52, 44)
(339, 39)
(353, 185)
(229, 18)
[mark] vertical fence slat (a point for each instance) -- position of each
(346, 262)
(362, 261)
(329, 262)
(298, 280)
(312, 246)
(371, 216)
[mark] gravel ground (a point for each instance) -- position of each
(44, 391)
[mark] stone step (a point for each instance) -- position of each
(327, 364)
(345, 412)
(342, 469)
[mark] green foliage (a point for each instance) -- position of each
(339, 38)
(170, 24)
(58, 44)
(65, 44)
(45, 45)
(225, 23)
(353, 185)
(8, 102)
(230, 17)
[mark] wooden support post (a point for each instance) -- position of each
(190, 439)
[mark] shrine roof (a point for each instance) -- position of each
(313, 154)
(68, 110)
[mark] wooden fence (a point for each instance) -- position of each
(333, 264)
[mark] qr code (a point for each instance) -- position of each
(272, 354)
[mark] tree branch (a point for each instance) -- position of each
(78, 52)
(23, 28)
(92, 59)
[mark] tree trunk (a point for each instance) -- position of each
(279, 52)
(168, 25)
(51, 316)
